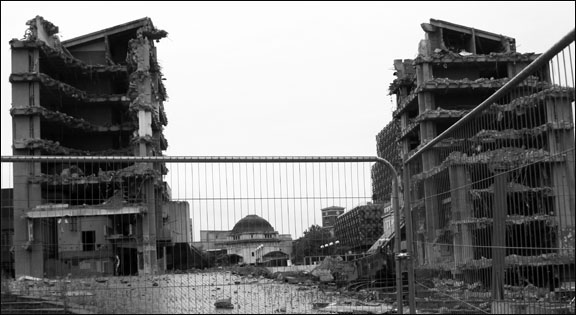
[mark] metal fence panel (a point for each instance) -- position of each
(177, 235)
(492, 199)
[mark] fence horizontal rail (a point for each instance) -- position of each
(194, 159)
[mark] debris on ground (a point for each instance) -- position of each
(76, 293)
(224, 303)
(251, 271)
(324, 274)
(295, 277)
(405, 310)
(291, 280)
(335, 268)
(28, 278)
(354, 307)
(318, 305)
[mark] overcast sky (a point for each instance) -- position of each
(282, 78)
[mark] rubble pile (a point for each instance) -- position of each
(252, 271)
(334, 268)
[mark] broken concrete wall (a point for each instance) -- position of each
(176, 214)
(40, 29)
(92, 53)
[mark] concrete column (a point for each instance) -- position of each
(405, 142)
(28, 253)
(149, 261)
(428, 131)
(561, 145)
(460, 185)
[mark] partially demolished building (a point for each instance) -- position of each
(452, 189)
(358, 228)
(99, 94)
(388, 148)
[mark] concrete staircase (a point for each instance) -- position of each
(14, 304)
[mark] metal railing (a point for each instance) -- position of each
(491, 198)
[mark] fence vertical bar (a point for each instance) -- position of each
(499, 212)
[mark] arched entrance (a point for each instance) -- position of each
(235, 259)
(275, 259)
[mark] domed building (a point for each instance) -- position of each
(253, 240)
(251, 225)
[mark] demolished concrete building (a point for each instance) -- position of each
(99, 94)
(457, 68)
(388, 148)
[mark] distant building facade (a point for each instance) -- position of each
(329, 216)
(209, 238)
(252, 241)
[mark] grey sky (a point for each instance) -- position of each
(282, 78)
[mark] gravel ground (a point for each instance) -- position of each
(182, 293)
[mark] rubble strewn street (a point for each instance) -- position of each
(238, 290)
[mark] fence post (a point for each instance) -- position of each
(396, 209)
(397, 238)
(409, 240)
(499, 213)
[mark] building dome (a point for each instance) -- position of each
(252, 224)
